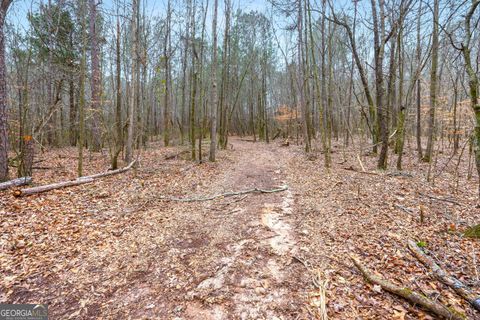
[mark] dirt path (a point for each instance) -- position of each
(256, 277)
(229, 258)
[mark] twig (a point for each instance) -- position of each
(351, 168)
(407, 210)
(224, 195)
(441, 199)
(400, 174)
(361, 164)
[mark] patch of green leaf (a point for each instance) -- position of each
(421, 244)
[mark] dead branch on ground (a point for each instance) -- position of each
(224, 195)
(76, 182)
(409, 295)
(457, 286)
(441, 199)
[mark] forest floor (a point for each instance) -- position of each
(116, 248)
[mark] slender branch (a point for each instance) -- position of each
(224, 195)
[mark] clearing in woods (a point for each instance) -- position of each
(114, 248)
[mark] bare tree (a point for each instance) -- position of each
(3, 96)
(214, 102)
(133, 83)
(473, 81)
(433, 83)
(167, 117)
(95, 82)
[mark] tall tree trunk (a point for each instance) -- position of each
(402, 107)
(118, 102)
(379, 43)
(72, 113)
(133, 85)
(433, 84)
(419, 86)
(3, 96)
(214, 102)
(456, 136)
(473, 82)
(167, 53)
(81, 102)
(193, 80)
(95, 84)
(301, 78)
(326, 149)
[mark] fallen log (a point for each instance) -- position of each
(456, 285)
(224, 195)
(76, 182)
(48, 187)
(15, 183)
(410, 295)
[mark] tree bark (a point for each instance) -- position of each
(379, 43)
(214, 102)
(433, 84)
(318, 94)
(118, 102)
(301, 78)
(95, 82)
(81, 103)
(419, 86)
(133, 84)
(3, 96)
(167, 116)
(473, 83)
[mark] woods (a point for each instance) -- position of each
(337, 141)
(158, 77)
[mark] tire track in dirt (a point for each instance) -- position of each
(257, 278)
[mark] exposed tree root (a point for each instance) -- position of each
(462, 290)
(224, 195)
(409, 295)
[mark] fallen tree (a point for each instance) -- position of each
(76, 182)
(456, 285)
(15, 183)
(410, 295)
(224, 195)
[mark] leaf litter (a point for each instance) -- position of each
(113, 248)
